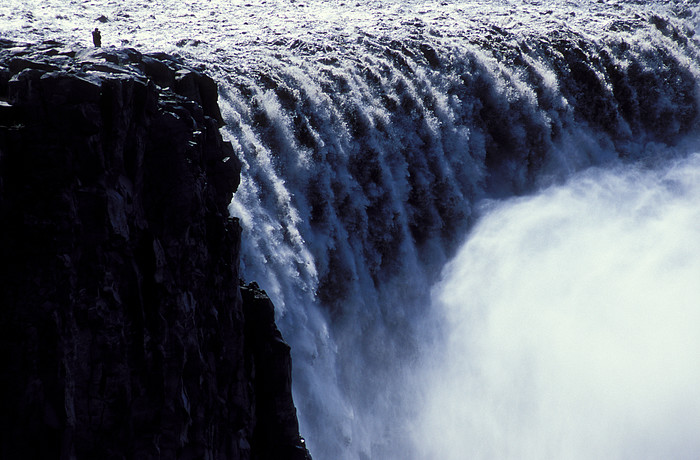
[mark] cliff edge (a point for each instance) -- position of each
(123, 329)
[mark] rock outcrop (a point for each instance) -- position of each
(123, 332)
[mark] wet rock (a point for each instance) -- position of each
(159, 71)
(199, 88)
(276, 434)
(18, 64)
(430, 55)
(123, 332)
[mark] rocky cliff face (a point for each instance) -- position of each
(124, 333)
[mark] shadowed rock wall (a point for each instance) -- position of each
(123, 330)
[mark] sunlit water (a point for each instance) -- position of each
(377, 138)
(573, 324)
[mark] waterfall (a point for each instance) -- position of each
(371, 134)
(361, 171)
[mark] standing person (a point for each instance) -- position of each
(97, 37)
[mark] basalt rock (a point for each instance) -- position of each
(123, 332)
(271, 369)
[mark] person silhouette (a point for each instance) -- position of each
(97, 37)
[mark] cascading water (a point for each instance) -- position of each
(369, 133)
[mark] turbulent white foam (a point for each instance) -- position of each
(573, 324)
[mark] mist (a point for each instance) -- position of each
(572, 324)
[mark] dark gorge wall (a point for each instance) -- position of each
(123, 332)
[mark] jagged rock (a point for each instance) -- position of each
(123, 333)
(276, 432)
(430, 55)
(159, 71)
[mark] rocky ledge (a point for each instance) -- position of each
(124, 332)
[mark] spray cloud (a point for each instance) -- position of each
(573, 324)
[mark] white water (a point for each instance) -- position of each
(573, 324)
(363, 161)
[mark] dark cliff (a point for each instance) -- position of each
(123, 329)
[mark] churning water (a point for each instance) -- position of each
(572, 324)
(417, 199)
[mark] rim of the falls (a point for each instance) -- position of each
(252, 29)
